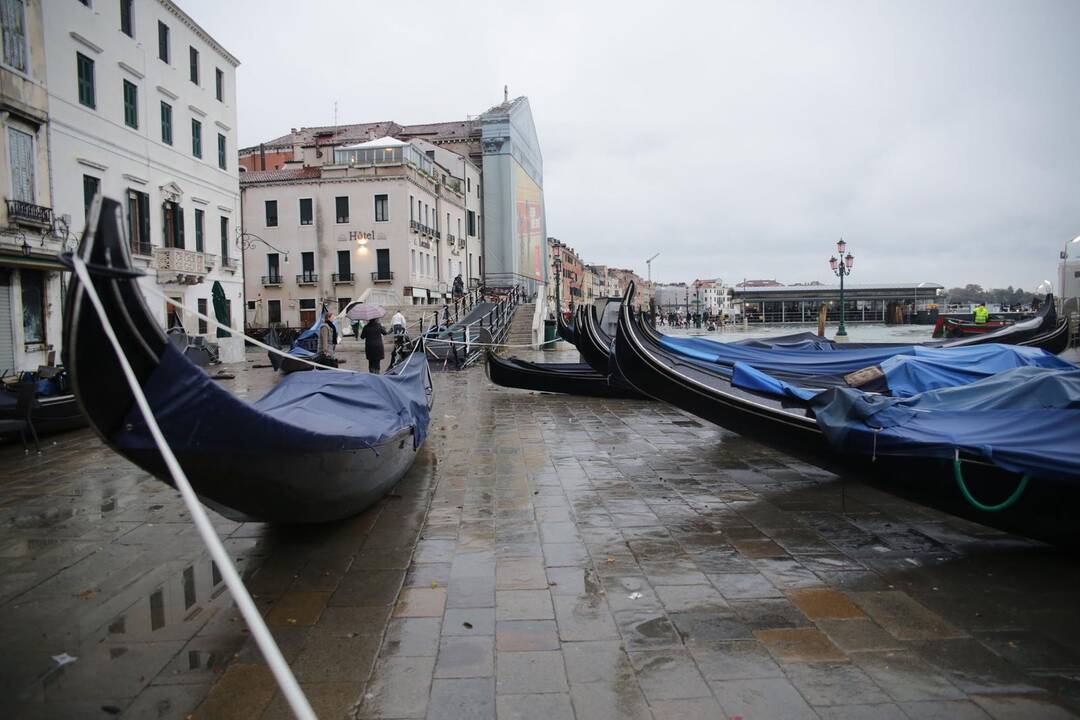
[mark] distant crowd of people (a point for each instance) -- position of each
(706, 320)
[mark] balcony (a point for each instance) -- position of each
(142, 248)
(25, 213)
(414, 226)
(271, 280)
(382, 277)
(438, 235)
(342, 278)
(450, 239)
(229, 263)
(179, 266)
(307, 279)
(209, 260)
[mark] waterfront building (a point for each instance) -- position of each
(496, 156)
(384, 219)
(862, 302)
(143, 109)
(570, 287)
(670, 297)
(30, 277)
(622, 279)
(712, 297)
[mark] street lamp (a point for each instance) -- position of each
(841, 268)
(558, 277)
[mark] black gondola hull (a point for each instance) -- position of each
(564, 378)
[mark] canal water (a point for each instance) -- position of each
(861, 332)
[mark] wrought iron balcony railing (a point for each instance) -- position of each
(141, 248)
(29, 213)
(307, 279)
(271, 280)
(384, 277)
(343, 277)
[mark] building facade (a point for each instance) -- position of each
(143, 110)
(381, 217)
(31, 285)
(711, 297)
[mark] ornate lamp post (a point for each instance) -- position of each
(841, 268)
(558, 277)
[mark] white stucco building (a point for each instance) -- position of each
(30, 276)
(143, 109)
(385, 216)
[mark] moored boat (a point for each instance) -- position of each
(915, 468)
(317, 447)
(565, 378)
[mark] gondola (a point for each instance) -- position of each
(567, 331)
(304, 348)
(1046, 510)
(317, 447)
(566, 378)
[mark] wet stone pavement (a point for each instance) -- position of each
(546, 557)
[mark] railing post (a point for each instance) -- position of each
(468, 338)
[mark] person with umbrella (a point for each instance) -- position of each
(372, 334)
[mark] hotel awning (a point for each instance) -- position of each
(32, 262)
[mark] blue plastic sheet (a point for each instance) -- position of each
(1026, 420)
(307, 412)
(935, 368)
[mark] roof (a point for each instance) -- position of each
(364, 132)
(836, 288)
(284, 175)
(383, 142)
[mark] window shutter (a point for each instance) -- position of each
(179, 227)
(21, 149)
(144, 218)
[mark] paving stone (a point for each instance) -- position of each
(549, 706)
(886, 711)
(735, 660)
(834, 684)
(704, 708)
(328, 700)
(903, 617)
(412, 637)
(768, 613)
(471, 699)
(697, 628)
(859, 635)
(819, 603)
(596, 661)
(298, 608)
(1020, 707)
(526, 635)
(523, 605)
(691, 598)
(799, 645)
(943, 710)
(520, 574)
(764, 698)
(586, 618)
(329, 657)
(368, 587)
(244, 691)
(905, 677)
(668, 674)
(600, 701)
(531, 672)
(420, 602)
(646, 630)
(399, 688)
(466, 657)
(469, 621)
(973, 668)
(744, 586)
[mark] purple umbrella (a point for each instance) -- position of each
(366, 312)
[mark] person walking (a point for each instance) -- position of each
(397, 323)
(372, 335)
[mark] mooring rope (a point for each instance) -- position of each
(290, 689)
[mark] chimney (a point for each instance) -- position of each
(506, 93)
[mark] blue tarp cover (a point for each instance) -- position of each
(306, 412)
(1026, 420)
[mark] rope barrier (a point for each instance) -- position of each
(290, 689)
(1003, 505)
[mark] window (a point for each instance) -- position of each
(33, 305)
(344, 264)
(382, 213)
(200, 223)
(224, 239)
(273, 312)
(382, 263)
(84, 68)
(470, 217)
(202, 309)
(271, 213)
(166, 123)
(13, 15)
(138, 206)
(196, 138)
(21, 154)
(459, 228)
(126, 26)
(273, 267)
(172, 224)
(193, 60)
(468, 184)
(412, 261)
(163, 41)
(131, 105)
(342, 206)
(221, 151)
(343, 303)
(307, 266)
(90, 187)
(411, 215)
(306, 212)
(219, 84)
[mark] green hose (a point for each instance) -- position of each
(1006, 503)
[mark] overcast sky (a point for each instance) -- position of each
(738, 139)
